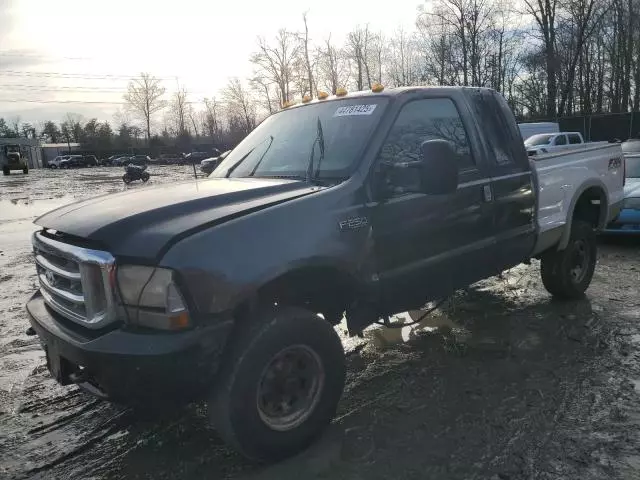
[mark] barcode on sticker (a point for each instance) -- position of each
(354, 110)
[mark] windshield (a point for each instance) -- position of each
(632, 167)
(540, 139)
(333, 133)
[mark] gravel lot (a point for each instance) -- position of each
(500, 383)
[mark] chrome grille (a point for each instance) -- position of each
(76, 282)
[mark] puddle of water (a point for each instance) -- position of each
(26, 208)
(384, 337)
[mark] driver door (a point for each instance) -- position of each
(428, 245)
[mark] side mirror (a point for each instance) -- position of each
(438, 167)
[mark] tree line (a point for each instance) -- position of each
(548, 58)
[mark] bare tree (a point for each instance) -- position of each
(356, 49)
(306, 53)
(144, 98)
(544, 13)
(263, 88)
(179, 111)
(332, 65)
(212, 118)
(14, 124)
(275, 61)
(240, 104)
(402, 64)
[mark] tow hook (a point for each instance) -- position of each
(30, 332)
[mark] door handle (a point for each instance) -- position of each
(487, 194)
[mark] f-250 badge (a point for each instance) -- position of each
(354, 223)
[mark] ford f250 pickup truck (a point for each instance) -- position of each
(356, 206)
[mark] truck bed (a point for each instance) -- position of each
(561, 174)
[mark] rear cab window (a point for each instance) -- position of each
(499, 129)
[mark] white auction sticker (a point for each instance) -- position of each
(355, 110)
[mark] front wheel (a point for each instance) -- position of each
(567, 273)
(145, 177)
(126, 178)
(6, 171)
(280, 384)
(25, 170)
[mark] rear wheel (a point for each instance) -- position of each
(25, 170)
(567, 273)
(6, 171)
(280, 384)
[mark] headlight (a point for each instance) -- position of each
(632, 203)
(152, 298)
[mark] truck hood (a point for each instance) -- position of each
(143, 222)
(632, 187)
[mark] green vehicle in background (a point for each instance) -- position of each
(12, 159)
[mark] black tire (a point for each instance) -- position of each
(126, 178)
(6, 171)
(566, 274)
(234, 404)
(25, 170)
(145, 177)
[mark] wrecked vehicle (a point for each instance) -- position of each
(360, 205)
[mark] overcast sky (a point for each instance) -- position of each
(62, 50)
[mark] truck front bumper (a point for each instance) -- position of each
(126, 366)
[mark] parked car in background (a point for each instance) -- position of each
(197, 157)
(628, 221)
(55, 163)
(90, 161)
(72, 161)
(139, 160)
(534, 128)
(551, 142)
(208, 165)
(131, 160)
(109, 160)
(170, 158)
(119, 161)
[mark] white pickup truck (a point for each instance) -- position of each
(577, 180)
(553, 142)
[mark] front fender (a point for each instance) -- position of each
(224, 265)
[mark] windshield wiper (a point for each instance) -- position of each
(263, 155)
(237, 164)
(320, 141)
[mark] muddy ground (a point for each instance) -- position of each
(500, 383)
